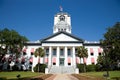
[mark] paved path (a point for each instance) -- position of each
(52, 77)
(64, 77)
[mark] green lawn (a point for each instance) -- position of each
(12, 75)
(100, 74)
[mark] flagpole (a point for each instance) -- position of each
(61, 9)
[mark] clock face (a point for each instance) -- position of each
(62, 18)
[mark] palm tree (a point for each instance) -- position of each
(40, 53)
(82, 53)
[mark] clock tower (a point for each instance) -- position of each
(62, 22)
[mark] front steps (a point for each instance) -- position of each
(61, 70)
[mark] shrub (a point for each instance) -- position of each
(80, 67)
(98, 67)
(15, 68)
(90, 68)
(101, 67)
(40, 67)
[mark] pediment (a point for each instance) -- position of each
(62, 37)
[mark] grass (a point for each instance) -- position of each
(114, 74)
(92, 75)
(12, 75)
(100, 74)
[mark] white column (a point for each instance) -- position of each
(50, 53)
(66, 61)
(74, 57)
(58, 56)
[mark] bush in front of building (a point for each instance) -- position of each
(15, 68)
(91, 67)
(40, 68)
(98, 67)
(80, 67)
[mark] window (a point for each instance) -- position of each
(47, 52)
(54, 63)
(30, 63)
(31, 53)
(99, 53)
(61, 52)
(22, 62)
(69, 63)
(59, 29)
(76, 50)
(91, 54)
(69, 52)
(64, 29)
(91, 51)
(24, 53)
(54, 52)
(93, 63)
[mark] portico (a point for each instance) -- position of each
(60, 55)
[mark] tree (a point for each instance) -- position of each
(40, 53)
(111, 46)
(82, 53)
(11, 42)
(102, 60)
(111, 42)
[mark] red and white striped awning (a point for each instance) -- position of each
(91, 50)
(69, 60)
(54, 59)
(99, 50)
(92, 60)
(32, 50)
(31, 59)
(77, 60)
(85, 60)
(46, 60)
(17, 60)
(23, 59)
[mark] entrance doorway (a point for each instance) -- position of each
(62, 61)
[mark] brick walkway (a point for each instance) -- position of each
(62, 77)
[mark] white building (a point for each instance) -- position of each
(61, 48)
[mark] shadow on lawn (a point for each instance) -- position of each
(28, 78)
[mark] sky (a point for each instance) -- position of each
(35, 18)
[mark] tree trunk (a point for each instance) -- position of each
(38, 63)
(80, 61)
(84, 65)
